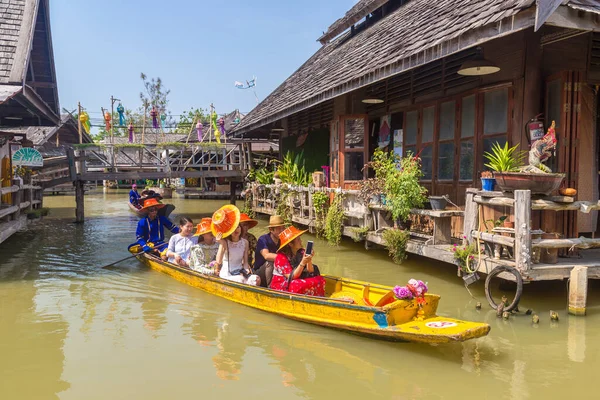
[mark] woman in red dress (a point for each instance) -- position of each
(292, 260)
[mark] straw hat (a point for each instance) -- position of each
(152, 202)
(203, 227)
(225, 220)
(249, 221)
(288, 235)
(275, 221)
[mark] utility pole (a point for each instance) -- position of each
(144, 123)
(79, 122)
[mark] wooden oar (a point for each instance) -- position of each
(130, 257)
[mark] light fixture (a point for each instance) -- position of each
(277, 129)
(478, 66)
(372, 101)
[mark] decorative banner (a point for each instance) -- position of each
(213, 121)
(154, 115)
(130, 129)
(121, 111)
(398, 137)
(222, 126)
(199, 130)
(384, 131)
(84, 118)
(107, 120)
(27, 157)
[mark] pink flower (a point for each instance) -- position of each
(403, 293)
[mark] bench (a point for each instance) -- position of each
(442, 226)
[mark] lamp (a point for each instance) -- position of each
(372, 101)
(478, 66)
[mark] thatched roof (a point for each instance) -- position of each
(417, 33)
(355, 14)
(27, 75)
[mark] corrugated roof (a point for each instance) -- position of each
(415, 34)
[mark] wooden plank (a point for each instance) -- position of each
(539, 204)
(7, 229)
(442, 231)
(581, 243)
(79, 202)
(7, 211)
(24, 204)
(496, 239)
(438, 213)
(522, 229)
(470, 213)
(98, 176)
(9, 189)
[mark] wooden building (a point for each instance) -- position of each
(396, 62)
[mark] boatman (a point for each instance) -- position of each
(151, 229)
(134, 197)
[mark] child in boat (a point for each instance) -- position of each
(204, 254)
(180, 244)
(232, 256)
(294, 271)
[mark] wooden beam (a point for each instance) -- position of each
(496, 239)
(539, 204)
(522, 229)
(98, 176)
(581, 243)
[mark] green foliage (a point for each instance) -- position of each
(37, 213)
(291, 170)
(283, 207)
(400, 178)
(504, 159)
(129, 146)
(320, 203)
(187, 121)
(248, 204)
(396, 241)
(149, 183)
(495, 224)
(155, 95)
(335, 220)
(465, 256)
(178, 145)
(261, 175)
(359, 233)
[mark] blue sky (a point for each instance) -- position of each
(198, 48)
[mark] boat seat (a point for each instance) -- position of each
(388, 298)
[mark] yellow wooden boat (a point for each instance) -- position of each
(344, 307)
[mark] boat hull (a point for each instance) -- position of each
(393, 322)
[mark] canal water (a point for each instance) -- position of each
(72, 330)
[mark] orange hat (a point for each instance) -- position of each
(245, 218)
(225, 220)
(203, 227)
(152, 202)
(288, 235)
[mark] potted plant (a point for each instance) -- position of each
(487, 181)
(464, 257)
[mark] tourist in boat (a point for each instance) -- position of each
(150, 229)
(134, 197)
(181, 243)
(204, 254)
(294, 271)
(248, 223)
(266, 250)
(232, 256)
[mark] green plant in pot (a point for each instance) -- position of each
(501, 159)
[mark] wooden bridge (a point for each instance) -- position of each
(95, 162)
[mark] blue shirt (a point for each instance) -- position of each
(264, 242)
(134, 197)
(153, 231)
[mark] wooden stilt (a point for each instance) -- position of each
(79, 214)
(523, 229)
(578, 290)
(232, 186)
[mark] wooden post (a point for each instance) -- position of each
(470, 219)
(144, 123)
(79, 214)
(522, 210)
(232, 186)
(112, 122)
(79, 123)
(250, 159)
(578, 290)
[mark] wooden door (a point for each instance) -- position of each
(353, 149)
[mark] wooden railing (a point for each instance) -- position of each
(23, 198)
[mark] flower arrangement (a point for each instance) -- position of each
(413, 289)
(465, 255)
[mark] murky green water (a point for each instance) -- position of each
(71, 330)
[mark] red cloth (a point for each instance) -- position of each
(314, 286)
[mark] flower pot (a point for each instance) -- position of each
(537, 183)
(509, 224)
(487, 184)
(470, 278)
(438, 202)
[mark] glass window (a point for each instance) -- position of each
(446, 161)
(426, 162)
(428, 124)
(488, 143)
(467, 120)
(466, 161)
(447, 119)
(412, 122)
(335, 139)
(495, 113)
(354, 134)
(410, 150)
(353, 166)
(554, 101)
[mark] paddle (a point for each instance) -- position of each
(132, 256)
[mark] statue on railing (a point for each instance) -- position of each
(540, 151)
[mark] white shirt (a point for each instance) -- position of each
(181, 245)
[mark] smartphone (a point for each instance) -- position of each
(309, 247)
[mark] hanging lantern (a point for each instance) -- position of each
(130, 129)
(107, 120)
(222, 126)
(154, 115)
(121, 111)
(163, 119)
(84, 118)
(199, 130)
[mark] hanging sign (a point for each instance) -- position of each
(27, 157)
(384, 131)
